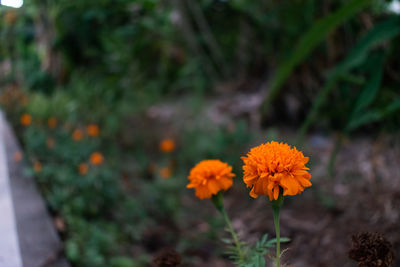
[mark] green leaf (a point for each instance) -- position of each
(392, 107)
(365, 118)
(374, 115)
(370, 90)
(380, 33)
(271, 242)
(226, 240)
(312, 38)
(121, 262)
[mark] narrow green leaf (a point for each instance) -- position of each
(380, 33)
(312, 38)
(365, 118)
(374, 115)
(357, 55)
(392, 107)
(271, 242)
(370, 90)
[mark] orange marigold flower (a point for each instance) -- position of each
(96, 158)
(50, 142)
(83, 168)
(167, 145)
(18, 156)
(52, 122)
(77, 135)
(165, 172)
(272, 166)
(93, 130)
(37, 166)
(209, 177)
(26, 119)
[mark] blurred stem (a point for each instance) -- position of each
(191, 39)
(219, 204)
(315, 109)
(276, 208)
(332, 159)
(209, 38)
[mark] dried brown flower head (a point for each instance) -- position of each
(167, 258)
(371, 250)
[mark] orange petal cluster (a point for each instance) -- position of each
(165, 172)
(209, 177)
(77, 135)
(93, 130)
(274, 166)
(83, 168)
(37, 166)
(26, 119)
(52, 122)
(18, 156)
(96, 158)
(167, 145)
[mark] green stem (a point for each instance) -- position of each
(233, 233)
(276, 208)
(218, 202)
(276, 211)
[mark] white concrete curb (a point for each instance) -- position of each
(10, 255)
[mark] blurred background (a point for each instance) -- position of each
(114, 101)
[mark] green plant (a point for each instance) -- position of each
(312, 38)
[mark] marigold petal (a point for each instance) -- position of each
(209, 177)
(252, 194)
(213, 186)
(276, 192)
(270, 166)
(304, 182)
(250, 179)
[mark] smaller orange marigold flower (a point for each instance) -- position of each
(26, 119)
(37, 166)
(77, 135)
(273, 166)
(52, 122)
(93, 130)
(18, 156)
(167, 145)
(165, 173)
(96, 158)
(209, 177)
(50, 142)
(83, 168)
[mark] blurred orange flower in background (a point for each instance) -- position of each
(50, 142)
(52, 122)
(165, 172)
(18, 156)
(10, 16)
(96, 158)
(272, 166)
(37, 166)
(83, 168)
(77, 135)
(26, 119)
(209, 177)
(167, 145)
(93, 130)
